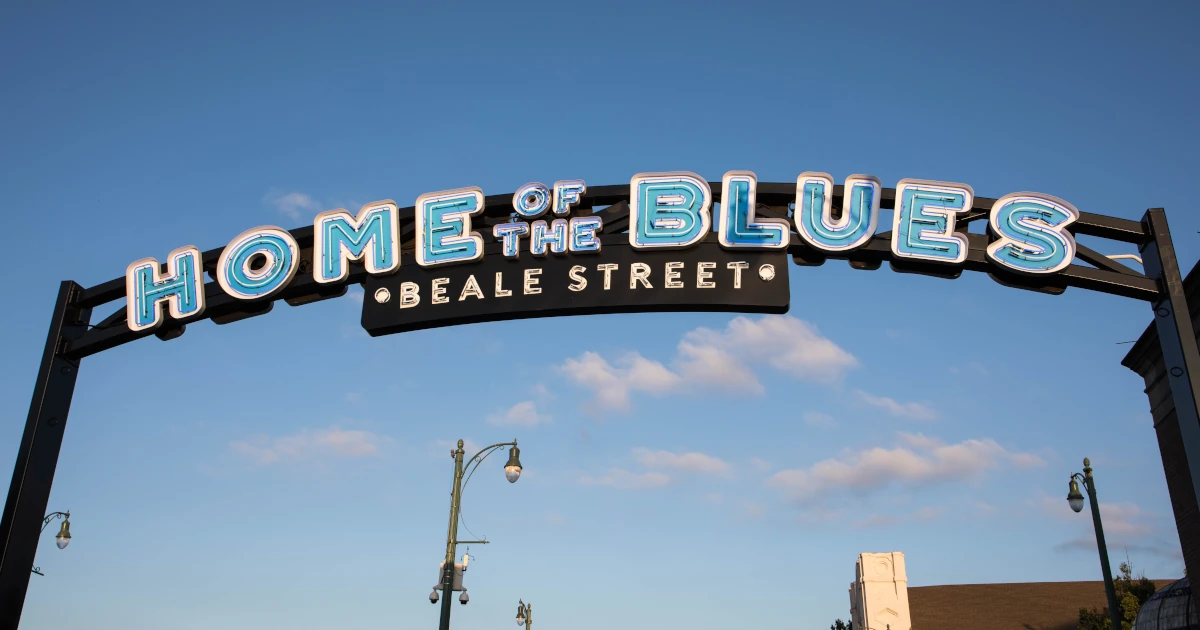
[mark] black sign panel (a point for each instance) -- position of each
(618, 279)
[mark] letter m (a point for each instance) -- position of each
(372, 237)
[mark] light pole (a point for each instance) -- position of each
(524, 615)
(1075, 499)
(64, 533)
(512, 471)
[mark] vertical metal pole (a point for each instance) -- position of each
(451, 540)
(1114, 613)
(25, 509)
(1181, 357)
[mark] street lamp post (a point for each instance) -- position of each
(524, 615)
(1075, 499)
(512, 471)
(64, 533)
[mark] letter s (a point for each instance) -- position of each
(1031, 233)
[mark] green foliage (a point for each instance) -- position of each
(1131, 594)
(841, 625)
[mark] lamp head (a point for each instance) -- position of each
(64, 534)
(1074, 497)
(512, 469)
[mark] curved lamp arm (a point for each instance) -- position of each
(1083, 481)
(53, 515)
(478, 459)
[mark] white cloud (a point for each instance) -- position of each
(308, 445)
(910, 410)
(713, 366)
(611, 385)
(295, 205)
(522, 414)
(783, 342)
(620, 478)
(354, 397)
(715, 360)
(686, 462)
(922, 460)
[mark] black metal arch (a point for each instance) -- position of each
(72, 337)
(1102, 275)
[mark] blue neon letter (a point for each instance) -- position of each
(668, 210)
(923, 223)
(567, 192)
(258, 263)
(444, 227)
(583, 234)
(1031, 233)
(531, 200)
(182, 287)
(509, 234)
(372, 237)
(738, 228)
(814, 211)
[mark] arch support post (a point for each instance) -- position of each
(29, 493)
(1172, 374)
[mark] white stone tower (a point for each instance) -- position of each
(879, 593)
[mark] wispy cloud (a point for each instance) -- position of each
(921, 460)
(714, 360)
(684, 462)
(909, 410)
(294, 205)
(788, 344)
(1126, 526)
(612, 385)
(308, 445)
(522, 414)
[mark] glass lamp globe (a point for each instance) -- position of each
(512, 468)
(64, 535)
(1074, 497)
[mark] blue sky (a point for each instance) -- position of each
(225, 479)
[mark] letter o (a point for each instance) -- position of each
(531, 200)
(242, 279)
